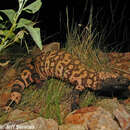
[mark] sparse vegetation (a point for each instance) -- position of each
(46, 101)
(81, 41)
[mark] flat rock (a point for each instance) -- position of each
(72, 127)
(123, 117)
(36, 124)
(93, 118)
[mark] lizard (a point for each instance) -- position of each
(56, 63)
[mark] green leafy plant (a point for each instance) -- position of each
(19, 26)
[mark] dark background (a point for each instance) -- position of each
(52, 19)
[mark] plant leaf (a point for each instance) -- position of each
(22, 22)
(10, 13)
(2, 26)
(33, 7)
(35, 33)
(21, 5)
(1, 18)
(3, 46)
(5, 32)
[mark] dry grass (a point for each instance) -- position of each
(81, 43)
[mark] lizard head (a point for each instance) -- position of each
(113, 82)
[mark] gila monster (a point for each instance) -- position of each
(62, 65)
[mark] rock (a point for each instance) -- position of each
(127, 101)
(121, 63)
(21, 115)
(117, 62)
(117, 110)
(72, 127)
(4, 96)
(36, 124)
(9, 74)
(123, 117)
(93, 118)
(109, 104)
(51, 124)
(88, 118)
(42, 124)
(77, 117)
(127, 104)
(12, 125)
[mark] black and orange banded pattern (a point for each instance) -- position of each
(62, 65)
